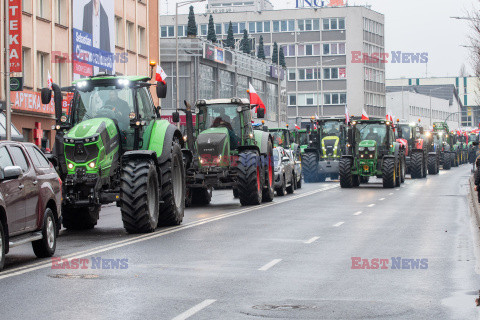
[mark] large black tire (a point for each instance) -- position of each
(268, 192)
(356, 180)
(3, 247)
(334, 176)
(416, 165)
(281, 191)
(398, 180)
(389, 173)
(249, 178)
(321, 177)
(455, 159)
(299, 183)
(345, 170)
(291, 188)
(139, 196)
(364, 180)
(201, 196)
(310, 167)
(83, 218)
(432, 165)
(46, 246)
(173, 188)
(447, 161)
(235, 193)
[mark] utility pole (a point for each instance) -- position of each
(8, 107)
(279, 84)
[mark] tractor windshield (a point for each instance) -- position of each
(278, 137)
(439, 138)
(222, 116)
(303, 138)
(372, 131)
(104, 102)
(406, 131)
(331, 128)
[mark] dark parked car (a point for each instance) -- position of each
(284, 172)
(30, 199)
(297, 165)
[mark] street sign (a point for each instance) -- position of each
(16, 84)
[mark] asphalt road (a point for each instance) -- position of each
(291, 259)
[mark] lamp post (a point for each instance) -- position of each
(177, 77)
(279, 101)
(8, 107)
(319, 75)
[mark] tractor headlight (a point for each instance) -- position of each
(361, 149)
(362, 156)
(371, 149)
(92, 164)
(70, 166)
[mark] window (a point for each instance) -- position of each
(27, 66)
(43, 67)
(119, 32)
(251, 27)
(37, 157)
(130, 36)
(335, 98)
(5, 160)
(330, 73)
(142, 42)
(259, 26)
(292, 74)
(167, 31)
(203, 29)
(334, 24)
(19, 158)
(60, 71)
(289, 50)
(266, 26)
(292, 100)
(43, 9)
(27, 6)
(218, 28)
(308, 74)
(333, 49)
(61, 10)
(309, 25)
(182, 31)
(283, 25)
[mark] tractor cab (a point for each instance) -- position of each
(372, 137)
(281, 137)
(302, 139)
(330, 137)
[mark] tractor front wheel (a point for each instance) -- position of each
(447, 161)
(310, 167)
(416, 165)
(268, 190)
(345, 171)
(249, 178)
(83, 218)
(389, 173)
(432, 165)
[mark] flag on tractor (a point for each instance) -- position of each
(160, 75)
(255, 99)
(347, 116)
(297, 127)
(365, 115)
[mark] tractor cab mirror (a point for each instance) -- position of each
(161, 90)
(46, 94)
(260, 113)
(176, 117)
(265, 128)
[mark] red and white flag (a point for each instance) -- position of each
(389, 117)
(297, 127)
(255, 99)
(49, 81)
(347, 116)
(160, 75)
(365, 115)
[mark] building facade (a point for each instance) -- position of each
(210, 71)
(222, 6)
(467, 90)
(323, 49)
(48, 47)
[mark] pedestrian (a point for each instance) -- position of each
(477, 178)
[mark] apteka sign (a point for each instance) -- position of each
(320, 3)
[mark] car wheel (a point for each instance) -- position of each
(2, 246)
(46, 246)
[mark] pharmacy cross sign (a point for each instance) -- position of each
(320, 3)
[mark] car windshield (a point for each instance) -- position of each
(406, 131)
(372, 131)
(220, 115)
(331, 128)
(104, 102)
(303, 138)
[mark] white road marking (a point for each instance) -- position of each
(190, 312)
(269, 265)
(339, 224)
(390, 194)
(397, 189)
(312, 240)
(381, 199)
(357, 213)
(371, 205)
(145, 237)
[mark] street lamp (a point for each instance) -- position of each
(319, 75)
(177, 77)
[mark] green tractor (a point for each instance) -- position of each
(442, 142)
(113, 147)
(300, 137)
(228, 152)
(472, 147)
(461, 141)
(372, 152)
(326, 146)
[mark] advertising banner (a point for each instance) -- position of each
(30, 101)
(217, 54)
(93, 37)
(15, 32)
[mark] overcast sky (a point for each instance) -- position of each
(412, 26)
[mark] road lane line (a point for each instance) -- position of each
(339, 224)
(390, 194)
(357, 213)
(397, 189)
(160, 233)
(190, 312)
(371, 205)
(381, 199)
(269, 265)
(312, 240)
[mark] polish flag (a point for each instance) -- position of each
(49, 81)
(347, 116)
(297, 127)
(160, 75)
(389, 117)
(255, 99)
(365, 115)
(315, 127)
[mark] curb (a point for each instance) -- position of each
(472, 197)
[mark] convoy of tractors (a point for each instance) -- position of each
(112, 146)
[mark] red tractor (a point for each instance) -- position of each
(416, 150)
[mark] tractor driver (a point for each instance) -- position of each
(120, 107)
(220, 122)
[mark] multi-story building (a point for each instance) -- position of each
(220, 6)
(324, 54)
(48, 46)
(467, 91)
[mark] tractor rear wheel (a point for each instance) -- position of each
(139, 196)
(310, 167)
(201, 196)
(173, 188)
(268, 190)
(83, 218)
(416, 165)
(389, 173)
(249, 178)
(447, 162)
(398, 180)
(432, 164)
(345, 171)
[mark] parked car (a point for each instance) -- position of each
(30, 200)
(297, 165)
(284, 172)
